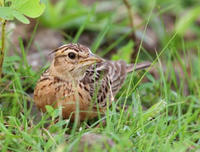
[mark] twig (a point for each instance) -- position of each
(130, 13)
(3, 27)
(133, 35)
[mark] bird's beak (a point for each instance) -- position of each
(91, 59)
(95, 58)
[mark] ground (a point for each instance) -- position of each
(157, 109)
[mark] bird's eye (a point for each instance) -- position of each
(72, 55)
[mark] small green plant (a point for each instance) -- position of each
(11, 9)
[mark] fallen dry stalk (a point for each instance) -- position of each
(133, 35)
(3, 28)
(130, 14)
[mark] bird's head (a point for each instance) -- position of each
(71, 61)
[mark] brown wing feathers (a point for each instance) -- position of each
(108, 77)
(138, 66)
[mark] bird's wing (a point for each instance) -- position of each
(98, 79)
(117, 71)
(106, 78)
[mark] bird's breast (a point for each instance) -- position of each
(71, 96)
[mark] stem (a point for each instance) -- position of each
(3, 27)
(132, 35)
(130, 14)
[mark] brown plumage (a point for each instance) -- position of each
(79, 81)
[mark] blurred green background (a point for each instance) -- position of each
(156, 110)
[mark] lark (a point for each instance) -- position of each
(82, 83)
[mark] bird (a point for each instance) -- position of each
(80, 82)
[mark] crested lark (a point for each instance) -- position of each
(81, 82)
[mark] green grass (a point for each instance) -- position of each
(161, 113)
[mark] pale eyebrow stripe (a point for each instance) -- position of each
(75, 47)
(67, 48)
(60, 56)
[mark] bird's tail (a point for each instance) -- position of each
(138, 66)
